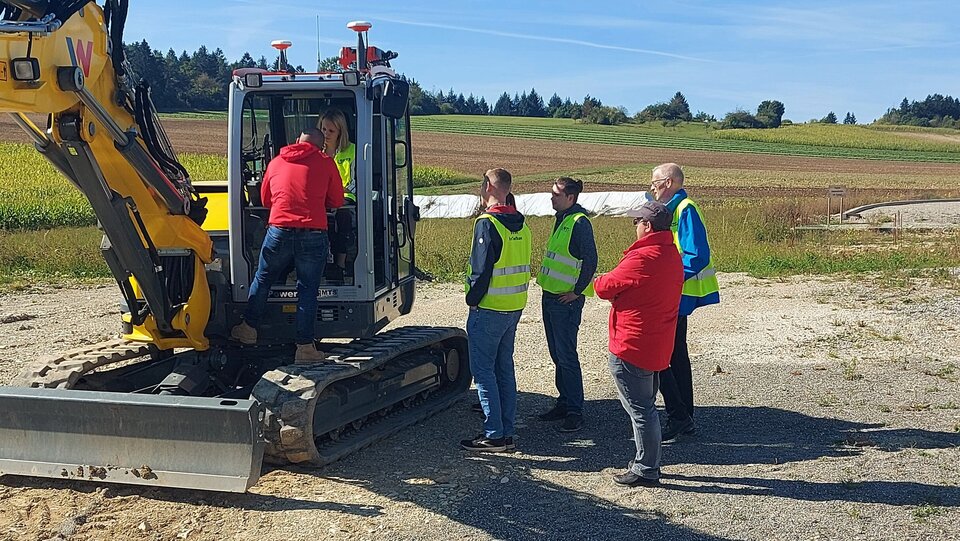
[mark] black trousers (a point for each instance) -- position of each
(341, 239)
(676, 382)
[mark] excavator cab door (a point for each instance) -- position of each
(405, 213)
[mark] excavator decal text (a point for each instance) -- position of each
(80, 54)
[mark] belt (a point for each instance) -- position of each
(285, 228)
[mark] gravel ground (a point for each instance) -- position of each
(828, 409)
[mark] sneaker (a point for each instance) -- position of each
(571, 423)
(509, 443)
(674, 429)
(558, 412)
(244, 333)
(631, 479)
(483, 443)
(308, 354)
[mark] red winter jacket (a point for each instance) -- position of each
(300, 185)
(644, 289)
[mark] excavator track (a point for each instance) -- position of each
(292, 392)
(63, 371)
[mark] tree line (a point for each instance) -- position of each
(935, 111)
(199, 81)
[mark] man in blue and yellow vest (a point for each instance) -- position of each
(699, 289)
(497, 279)
(566, 275)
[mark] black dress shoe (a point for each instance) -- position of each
(571, 423)
(675, 429)
(631, 479)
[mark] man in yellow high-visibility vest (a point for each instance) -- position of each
(569, 263)
(699, 289)
(498, 276)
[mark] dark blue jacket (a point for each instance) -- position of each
(694, 250)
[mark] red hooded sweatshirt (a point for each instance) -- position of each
(644, 289)
(300, 185)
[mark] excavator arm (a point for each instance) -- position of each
(64, 58)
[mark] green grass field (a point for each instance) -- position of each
(34, 195)
(756, 239)
(837, 135)
(812, 140)
(46, 233)
(195, 115)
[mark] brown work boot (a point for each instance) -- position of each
(244, 333)
(308, 354)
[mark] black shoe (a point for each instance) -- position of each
(555, 414)
(675, 428)
(477, 408)
(483, 443)
(509, 444)
(571, 423)
(631, 479)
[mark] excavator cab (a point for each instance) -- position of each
(173, 402)
(378, 285)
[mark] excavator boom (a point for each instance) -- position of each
(101, 136)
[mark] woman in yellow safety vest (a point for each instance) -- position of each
(337, 145)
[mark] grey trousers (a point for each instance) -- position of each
(638, 392)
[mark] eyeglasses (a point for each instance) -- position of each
(656, 181)
(636, 221)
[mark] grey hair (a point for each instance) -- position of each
(669, 170)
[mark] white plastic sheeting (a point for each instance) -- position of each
(533, 204)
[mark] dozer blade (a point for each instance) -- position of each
(169, 441)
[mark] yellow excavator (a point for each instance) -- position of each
(173, 401)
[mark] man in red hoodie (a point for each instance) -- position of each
(298, 187)
(644, 290)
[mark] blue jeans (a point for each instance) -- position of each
(492, 335)
(638, 392)
(561, 322)
(307, 248)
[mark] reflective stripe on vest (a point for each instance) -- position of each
(511, 272)
(560, 271)
(704, 282)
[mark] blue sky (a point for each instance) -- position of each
(814, 56)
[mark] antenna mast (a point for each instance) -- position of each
(319, 58)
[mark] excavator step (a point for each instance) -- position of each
(178, 441)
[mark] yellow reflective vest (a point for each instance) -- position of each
(560, 271)
(511, 272)
(344, 160)
(703, 283)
